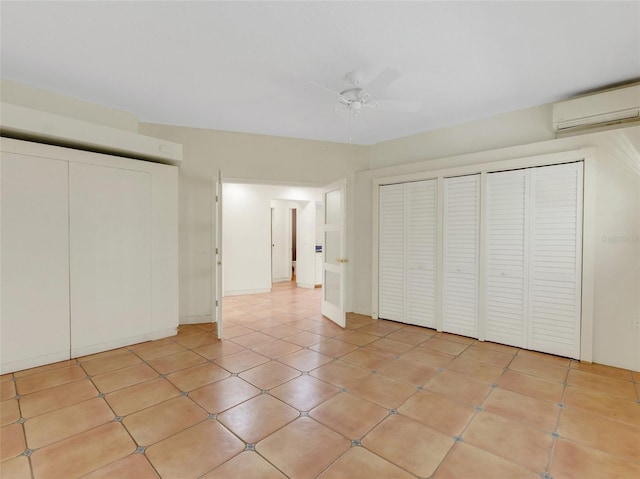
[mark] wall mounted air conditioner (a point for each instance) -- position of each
(44, 127)
(620, 105)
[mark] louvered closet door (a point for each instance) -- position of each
(556, 259)
(391, 252)
(506, 238)
(461, 224)
(421, 253)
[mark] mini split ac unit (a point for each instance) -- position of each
(602, 109)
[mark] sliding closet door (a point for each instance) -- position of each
(391, 252)
(506, 247)
(461, 225)
(407, 245)
(556, 259)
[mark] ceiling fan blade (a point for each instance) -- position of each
(385, 78)
(399, 106)
(322, 87)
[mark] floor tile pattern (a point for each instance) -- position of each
(288, 394)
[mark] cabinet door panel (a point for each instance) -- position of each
(110, 243)
(392, 252)
(35, 261)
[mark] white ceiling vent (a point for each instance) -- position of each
(606, 108)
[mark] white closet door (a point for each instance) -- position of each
(34, 261)
(391, 252)
(506, 238)
(556, 259)
(110, 234)
(421, 253)
(461, 225)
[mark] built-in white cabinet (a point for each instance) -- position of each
(506, 265)
(88, 253)
(407, 252)
(534, 237)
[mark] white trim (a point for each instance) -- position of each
(241, 292)
(589, 235)
(204, 318)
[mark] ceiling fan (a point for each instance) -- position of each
(357, 97)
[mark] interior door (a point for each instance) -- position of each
(216, 307)
(334, 266)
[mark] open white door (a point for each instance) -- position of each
(334, 267)
(216, 306)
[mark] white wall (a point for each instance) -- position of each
(617, 263)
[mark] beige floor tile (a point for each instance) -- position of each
(163, 420)
(596, 432)
(197, 376)
(409, 336)
(102, 355)
(487, 356)
(501, 348)
(612, 386)
(176, 362)
(349, 415)
(197, 340)
(358, 463)
(281, 331)
(305, 360)
(390, 346)
(340, 373)
(602, 370)
(269, 375)
(110, 363)
(459, 387)
(45, 368)
(524, 445)
(57, 397)
(539, 369)
(134, 398)
(304, 392)
(247, 464)
(224, 394)
(444, 346)
(356, 337)
(368, 359)
(531, 386)
(455, 338)
(236, 363)
(232, 332)
(12, 441)
(433, 359)
(258, 417)
(355, 320)
(605, 405)
(253, 339)
(134, 466)
(48, 379)
(484, 372)
(218, 350)
(155, 350)
(333, 347)
(9, 412)
(16, 468)
(385, 391)
(189, 454)
(303, 448)
(328, 330)
(412, 372)
(466, 461)
(415, 448)
(83, 453)
(532, 411)
(545, 358)
(437, 412)
(381, 327)
(305, 339)
(122, 378)
(66, 422)
(277, 349)
(573, 461)
(7, 388)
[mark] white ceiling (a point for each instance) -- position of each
(248, 66)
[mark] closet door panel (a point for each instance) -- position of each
(421, 250)
(461, 225)
(392, 253)
(34, 261)
(506, 238)
(110, 225)
(556, 259)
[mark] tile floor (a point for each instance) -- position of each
(289, 394)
